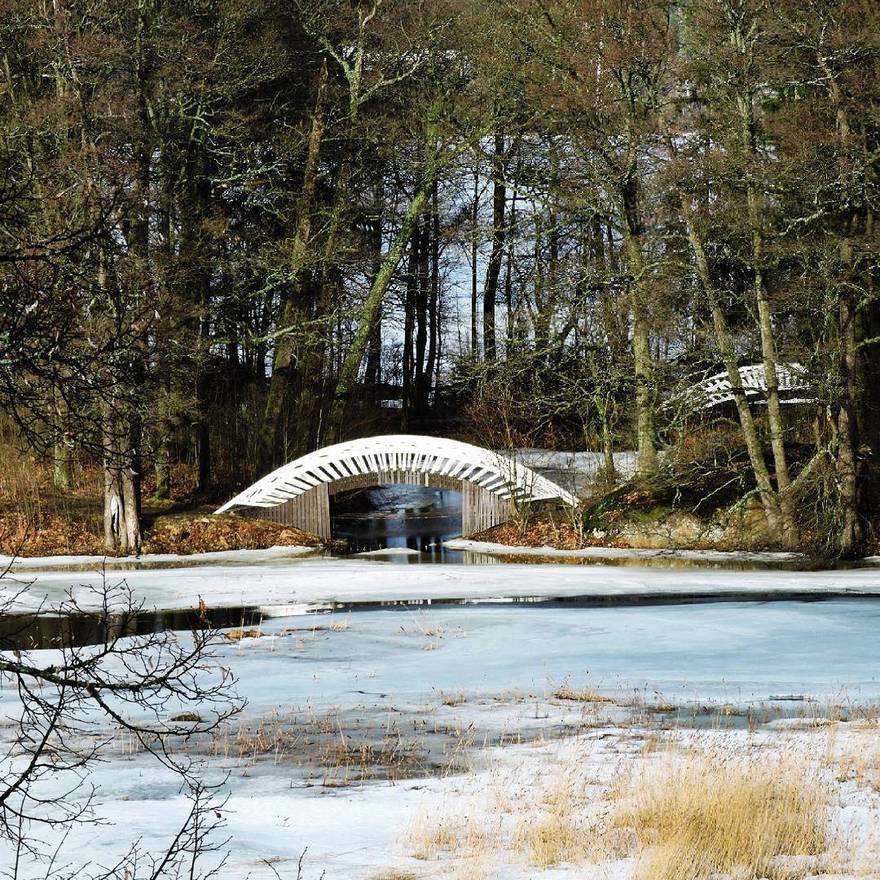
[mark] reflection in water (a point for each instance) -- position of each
(30, 632)
(399, 518)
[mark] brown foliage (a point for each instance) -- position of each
(49, 535)
(541, 533)
(204, 534)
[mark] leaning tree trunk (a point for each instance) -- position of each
(493, 269)
(788, 521)
(348, 373)
(292, 304)
(749, 147)
(769, 498)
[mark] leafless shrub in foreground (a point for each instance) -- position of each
(72, 703)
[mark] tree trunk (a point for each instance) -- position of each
(851, 397)
(475, 252)
(122, 534)
(769, 499)
(421, 314)
(293, 301)
(748, 144)
(788, 522)
(508, 269)
(493, 269)
(646, 460)
(62, 472)
(408, 319)
(350, 368)
(434, 301)
(847, 423)
(62, 457)
(374, 349)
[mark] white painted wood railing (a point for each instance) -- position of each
(717, 389)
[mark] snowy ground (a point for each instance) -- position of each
(381, 830)
(149, 560)
(736, 557)
(476, 693)
(289, 586)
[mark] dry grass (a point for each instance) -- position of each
(335, 750)
(539, 532)
(741, 819)
(684, 814)
(269, 737)
(545, 825)
(551, 833)
(551, 840)
(430, 836)
(394, 875)
(236, 635)
(48, 534)
(585, 695)
(36, 519)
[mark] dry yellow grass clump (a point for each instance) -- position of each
(744, 820)
(551, 840)
(431, 835)
(583, 695)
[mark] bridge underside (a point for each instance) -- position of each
(480, 508)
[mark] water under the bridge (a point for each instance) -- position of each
(399, 518)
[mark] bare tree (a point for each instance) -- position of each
(73, 708)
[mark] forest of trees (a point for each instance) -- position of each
(232, 231)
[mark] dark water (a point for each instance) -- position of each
(417, 518)
(29, 632)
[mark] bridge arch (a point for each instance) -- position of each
(298, 493)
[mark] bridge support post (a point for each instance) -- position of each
(309, 512)
(480, 509)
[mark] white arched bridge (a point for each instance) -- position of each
(298, 493)
(715, 390)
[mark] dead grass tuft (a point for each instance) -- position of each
(236, 635)
(393, 874)
(551, 840)
(744, 819)
(587, 695)
(550, 833)
(430, 836)
(44, 533)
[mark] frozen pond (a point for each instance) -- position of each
(467, 695)
(735, 652)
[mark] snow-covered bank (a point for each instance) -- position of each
(292, 585)
(149, 560)
(388, 551)
(717, 556)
